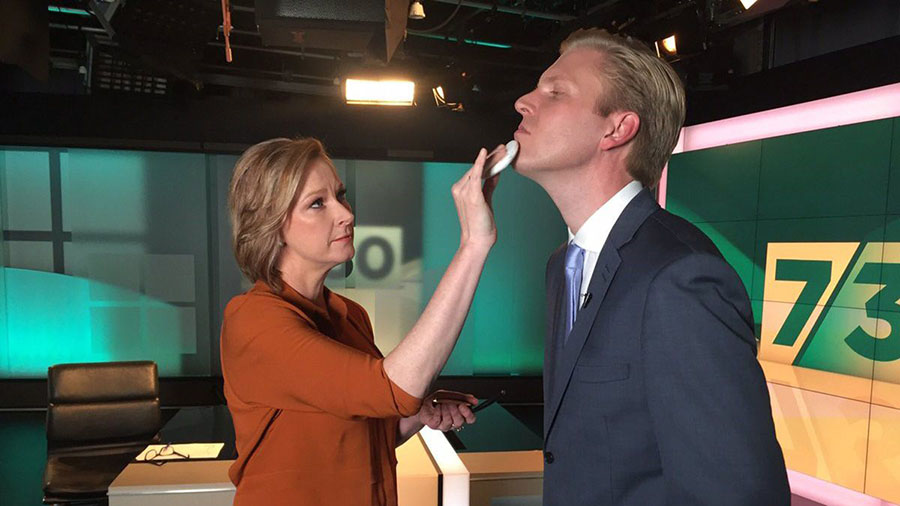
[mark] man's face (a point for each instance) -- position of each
(559, 128)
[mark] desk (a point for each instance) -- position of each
(205, 482)
(183, 483)
(177, 483)
(497, 461)
(503, 457)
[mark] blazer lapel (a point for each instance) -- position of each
(552, 339)
(607, 264)
(632, 217)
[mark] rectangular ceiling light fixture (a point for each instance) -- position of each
(387, 92)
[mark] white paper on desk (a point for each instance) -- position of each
(187, 451)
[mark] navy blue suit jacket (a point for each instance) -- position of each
(657, 396)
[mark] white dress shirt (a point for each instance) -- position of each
(593, 233)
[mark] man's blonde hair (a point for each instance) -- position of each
(643, 83)
(263, 189)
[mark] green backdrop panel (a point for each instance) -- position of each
(717, 184)
(893, 204)
(736, 242)
(833, 172)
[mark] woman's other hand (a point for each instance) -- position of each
(472, 196)
(448, 413)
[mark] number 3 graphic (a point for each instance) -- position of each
(883, 306)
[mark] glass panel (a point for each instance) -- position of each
(36, 255)
(4, 343)
(27, 190)
(504, 333)
(137, 263)
(230, 280)
(37, 341)
(139, 228)
(386, 276)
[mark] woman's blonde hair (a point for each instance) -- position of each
(643, 83)
(263, 189)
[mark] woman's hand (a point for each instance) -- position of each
(472, 196)
(447, 414)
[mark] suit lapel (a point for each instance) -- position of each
(555, 286)
(632, 217)
(607, 264)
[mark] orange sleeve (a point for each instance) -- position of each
(408, 402)
(273, 356)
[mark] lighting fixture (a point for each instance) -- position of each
(417, 11)
(668, 44)
(384, 92)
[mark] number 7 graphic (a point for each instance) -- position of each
(800, 279)
(817, 275)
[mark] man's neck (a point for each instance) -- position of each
(578, 193)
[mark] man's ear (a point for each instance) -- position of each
(623, 127)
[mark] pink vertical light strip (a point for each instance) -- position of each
(858, 107)
(663, 180)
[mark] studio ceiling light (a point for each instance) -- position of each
(440, 100)
(666, 47)
(386, 92)
(417, 11)
(668, 44)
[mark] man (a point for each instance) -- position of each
(652, 391)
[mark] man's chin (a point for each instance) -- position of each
(525, 167)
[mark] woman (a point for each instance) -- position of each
(317, 409)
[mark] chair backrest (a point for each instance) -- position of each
(100, 404)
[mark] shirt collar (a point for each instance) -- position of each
(336, 306)
(593, 233)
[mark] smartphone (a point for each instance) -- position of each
(457, 398)
(482, 405)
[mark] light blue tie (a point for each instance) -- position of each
(574, 269)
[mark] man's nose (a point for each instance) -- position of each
(523, 105)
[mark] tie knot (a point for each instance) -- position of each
(574, 256)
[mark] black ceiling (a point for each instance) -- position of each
(484, 53)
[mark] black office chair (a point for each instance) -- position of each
(100, 417)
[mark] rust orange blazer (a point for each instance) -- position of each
(315, 415)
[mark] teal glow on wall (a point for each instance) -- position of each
(504, 333)
(54, 318)
(4, 339)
